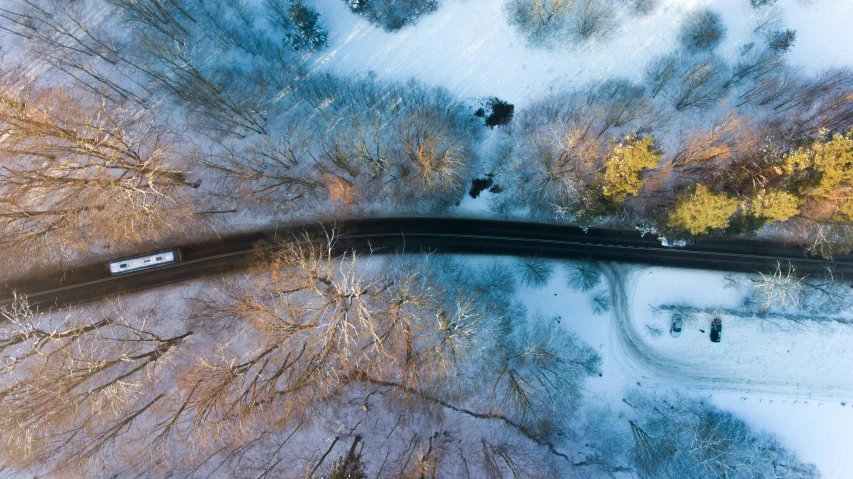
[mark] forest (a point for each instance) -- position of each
(128, 125)
(176, 119)
(311, 365)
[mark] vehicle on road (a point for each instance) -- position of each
(716, 330)
(677, 323)
(152, 260)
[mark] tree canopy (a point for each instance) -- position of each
(774, 205)
(701, 210)
(823, 166)
(624, 164)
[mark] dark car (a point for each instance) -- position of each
(716, 330)
(675, 328)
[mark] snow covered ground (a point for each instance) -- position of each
(808, 361)
(793, 381)
(789, 379)
(468, 46)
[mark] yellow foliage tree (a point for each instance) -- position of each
(623, 166)
(774, 205)
(844, 213)
(701, 210)
(824, 166)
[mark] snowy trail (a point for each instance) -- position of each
(655, 369)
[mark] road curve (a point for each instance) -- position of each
(442, 235)
(642, 361)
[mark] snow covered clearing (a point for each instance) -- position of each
(808, 361)
(790, 379)
(468, 46)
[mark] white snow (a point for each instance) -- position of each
(468, 46)
(820, 432)
(824, 35)
(788, 380)
(808, 361)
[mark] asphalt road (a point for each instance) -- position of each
(415, 235)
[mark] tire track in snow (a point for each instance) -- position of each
(657, 370)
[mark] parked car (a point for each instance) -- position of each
(716, 330)
(677, 323)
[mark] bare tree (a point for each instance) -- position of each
(543, 23)
(727, 153)
(772, 88)
(535, 363)
(72, 38)
(272, 172)
(224, 100)
(397, 346)
(535, 272)
(681, 437)
(622, 104)
(435, 158)
(584, 276)
(823, 102)
(410, 141)
(601, 302)
(593, 19)
(782, 288)
(661, 71)
(642, 7)
(411, 357)
(564, 140)
(698, 84)
(77, 170)
(754, 64)
(75, 389)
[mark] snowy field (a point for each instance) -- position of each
(468, 47)
(793, 381)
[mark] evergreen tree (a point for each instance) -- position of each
(357, 6)
(623, 166)
(500, 112)
(702, 30)
(308, 32)
(823, 167)
(781, 40)
(774, 205)
(700, 211)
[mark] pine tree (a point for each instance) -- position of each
(702, 30)
(701, 210)
(781, 40)
(623, 166)
(822, 167)
(774, 205)
(308, 33)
